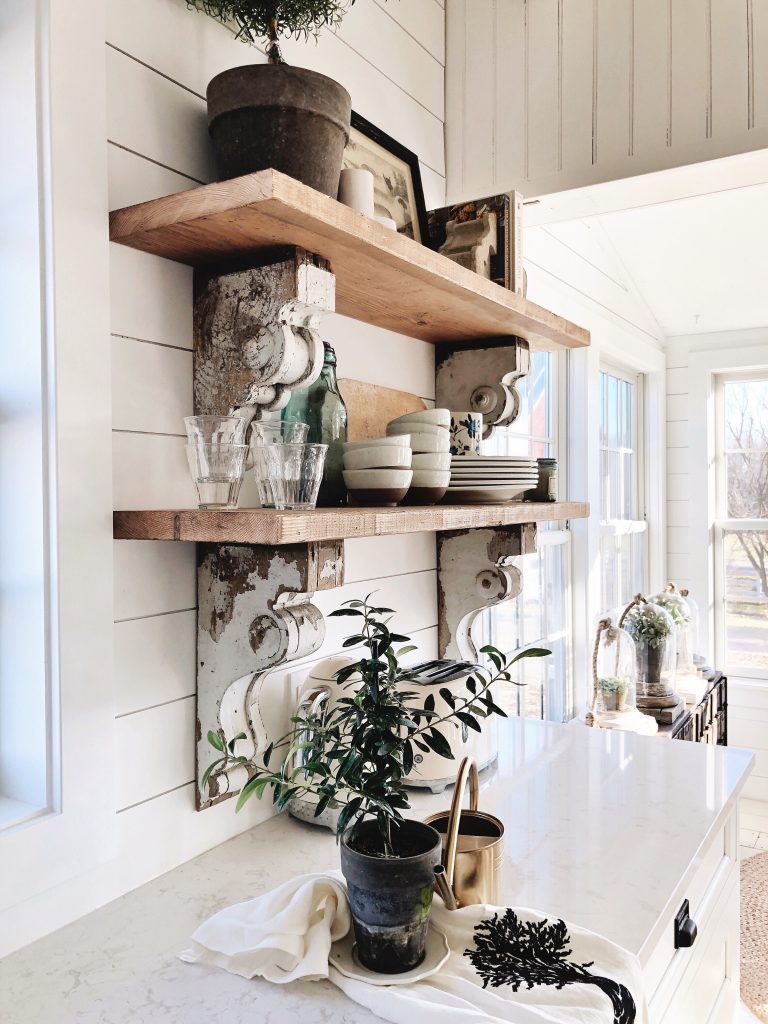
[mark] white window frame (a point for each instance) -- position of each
(62, 44)
(722, 524)
(725, 353)
(639, 525)
(556, 535)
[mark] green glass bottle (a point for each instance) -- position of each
(322, 407)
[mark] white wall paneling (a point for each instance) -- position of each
(390, 57)
(610, 88)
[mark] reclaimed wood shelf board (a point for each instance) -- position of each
(382, 278)
(271, 528)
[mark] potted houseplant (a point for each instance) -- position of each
(614, 690)
(355, 756)
(652, 630)
(272, 115)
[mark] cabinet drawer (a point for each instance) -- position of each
(701, 890)
(705, 989)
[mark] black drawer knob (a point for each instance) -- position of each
(685, 927)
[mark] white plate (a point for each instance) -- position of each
(481, 460)
(468, 479)
(495, 474)
(344, 958)
(493, 494)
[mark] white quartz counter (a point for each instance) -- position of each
(601, 828)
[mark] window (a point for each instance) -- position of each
(741, 527)
(623, 525)
(540, 617)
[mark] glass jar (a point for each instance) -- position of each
(322, 407)
(673, 602)
(546, 488)
(653, 633)
(614, 672)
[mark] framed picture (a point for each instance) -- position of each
(397, 189)
(483, 234)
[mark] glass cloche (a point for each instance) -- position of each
(614, 682)
(653, 631)
(672, 601)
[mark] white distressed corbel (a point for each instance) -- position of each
(473, 574)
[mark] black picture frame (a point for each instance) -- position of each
(405, 156)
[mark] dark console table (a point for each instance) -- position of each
(707, 721)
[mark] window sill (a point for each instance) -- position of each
(17, 812)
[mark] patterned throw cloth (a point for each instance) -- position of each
(506, 965)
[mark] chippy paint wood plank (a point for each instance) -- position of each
(154, 661)
(268, 527)
(370, 407)
(135, 179)
(153, 579)
(382, 277)
(150, 469)
(151, 386)
(154, 751)
(151, 299)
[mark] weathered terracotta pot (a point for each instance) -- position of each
(274, 115)
(391, 897)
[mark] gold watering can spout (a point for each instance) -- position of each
(472, 846)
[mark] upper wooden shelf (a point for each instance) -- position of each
(382, 278)
(270, 528)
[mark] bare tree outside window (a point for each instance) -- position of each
(745, 551)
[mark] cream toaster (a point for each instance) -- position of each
(320, 691)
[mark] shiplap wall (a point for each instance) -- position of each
(159, 58)
(546, 95)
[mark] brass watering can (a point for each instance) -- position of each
(472, 846)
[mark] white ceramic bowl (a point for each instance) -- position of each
(432, 460)
(437, 417)
(377, 479)
(376, 442)
(391, 456)
(393, 429)
(430, 442)
(430, 478)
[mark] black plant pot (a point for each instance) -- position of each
(273, 115)
(391, 897)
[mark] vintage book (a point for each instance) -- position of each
(504, 260)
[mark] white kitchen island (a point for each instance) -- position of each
(608, 830)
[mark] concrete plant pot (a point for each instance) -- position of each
(273, 115)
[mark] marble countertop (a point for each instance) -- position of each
(589, 816)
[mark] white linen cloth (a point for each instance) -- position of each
(287, 933)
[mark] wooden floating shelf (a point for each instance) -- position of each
(270, 528)
(382, 278)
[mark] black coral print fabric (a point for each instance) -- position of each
(509, 951)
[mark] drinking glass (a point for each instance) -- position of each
(217, 472)
(278, 432)
(216, 429)
(289, 475)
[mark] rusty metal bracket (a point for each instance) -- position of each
(255, 612)
(483, 377)
(256, 331)
(473, 574)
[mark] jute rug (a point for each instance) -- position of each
(754, 934)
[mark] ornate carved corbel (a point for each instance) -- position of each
(256, 331)
(483, 378)
(474, 573)
(255, 612)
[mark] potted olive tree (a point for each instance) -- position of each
(614, 690)
(272, 115)
(356, 755)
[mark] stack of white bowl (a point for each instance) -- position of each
(378, 471)
(429, 432)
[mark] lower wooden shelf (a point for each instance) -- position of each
(271, 528)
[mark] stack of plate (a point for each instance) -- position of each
(490, 478)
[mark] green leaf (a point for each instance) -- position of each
(531, 652)
(353, 641)
(429, 703)
(438, 743)
(406, 650)
(346, 611)
(469, 721)
(422, 746)
(497, 710)
(268, 753)
(232, 742)
(256, 785)
(472, 684)
(215, 740)
(407, 757)
(209, 770)
(448, 697)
